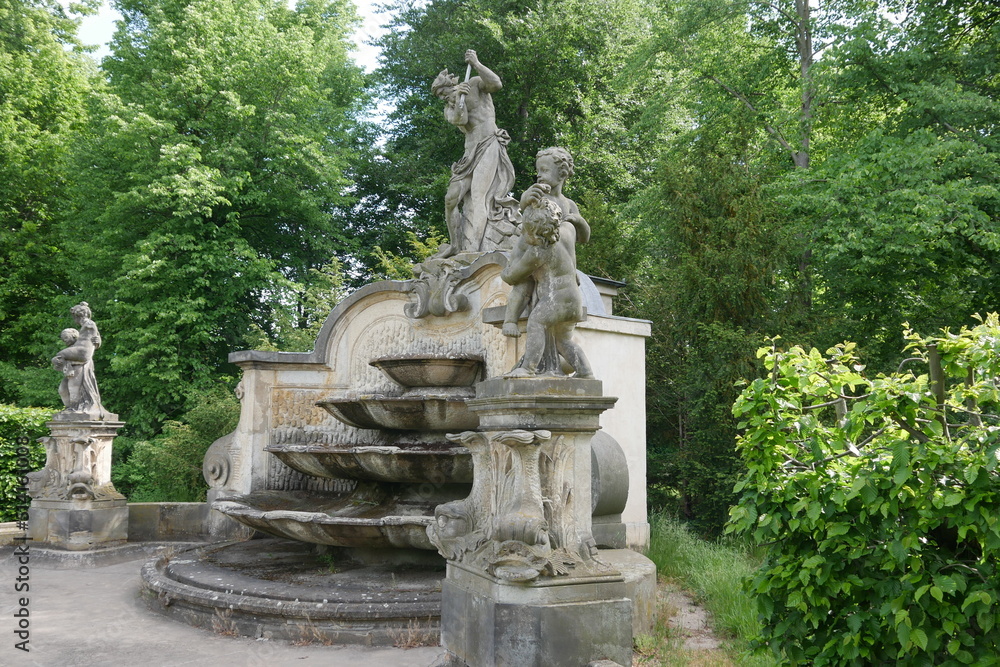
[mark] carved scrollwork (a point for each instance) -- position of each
(436, 286)
(217, 465)
(71, 470)
(517, 523)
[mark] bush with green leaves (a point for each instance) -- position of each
(878, 499)
(19, 427)
(167, 468)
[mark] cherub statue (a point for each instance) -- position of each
(78, 389)
(543, 266)
(481, 181)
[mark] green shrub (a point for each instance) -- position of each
(19, 427)
(167, 468)
(879, 500)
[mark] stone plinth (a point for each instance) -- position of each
(568, 623)
(78, 525)
(74, 504)
(526, 584)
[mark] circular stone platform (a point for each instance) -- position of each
(284, 590)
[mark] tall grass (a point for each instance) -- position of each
(714, 572)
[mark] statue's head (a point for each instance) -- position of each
(443, 84)
(69, 335)
(81, 311)
(540, 222)
(560, 158)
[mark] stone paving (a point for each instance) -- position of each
(93, 616)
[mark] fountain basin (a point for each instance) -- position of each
(274, 588)
(439, 412)
(394, 520)
(430, 371)
(416, 462)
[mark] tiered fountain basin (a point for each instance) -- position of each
(435, 390)
(414, 462)
(418, 371)
(402, 478)
(374, 517)
(437, 412)
(278, 589)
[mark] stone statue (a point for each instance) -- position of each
(478, 194)
(78, 389)
(542, 267)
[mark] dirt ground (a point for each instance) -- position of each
(684, 635)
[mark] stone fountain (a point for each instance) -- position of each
(363, 459)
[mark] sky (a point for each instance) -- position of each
(97, 30)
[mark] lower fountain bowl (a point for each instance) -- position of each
(276, 589)
(360, 519)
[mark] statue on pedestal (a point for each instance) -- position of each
(78, 449)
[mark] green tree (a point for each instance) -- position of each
(709, 285)
(905, 207)
(868, 130)
(45, 78)
(206, 186)
(168, 467)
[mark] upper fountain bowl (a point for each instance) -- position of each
(427, 371)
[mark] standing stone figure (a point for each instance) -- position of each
(78, 389)
(480, 182)
(543, 267)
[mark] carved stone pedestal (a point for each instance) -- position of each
(570, 622)
(74, 505)
(526, 584)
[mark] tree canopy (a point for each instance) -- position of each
(751, 168)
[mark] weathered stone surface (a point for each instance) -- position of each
(427, 371)
(276, 589)
(371, 516)
(639, 575)
(431, 411)
(77, 461)
(155, 522)
(279, 391)
(78, 524)
(74, 504)
(78, 390)
(485, 623)
(542, 272)
(609, 491)
(418, 462)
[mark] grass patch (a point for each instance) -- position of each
(714, 572)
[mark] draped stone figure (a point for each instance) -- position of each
(78, 389)
(478, 193)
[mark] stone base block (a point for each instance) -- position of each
(610, 535)
(488, 624)
(640, 586)
(78, 525)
